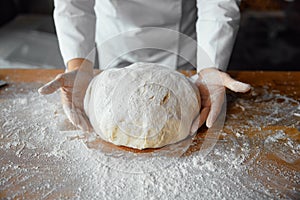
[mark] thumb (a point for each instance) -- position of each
(235, 85)
(52, 86)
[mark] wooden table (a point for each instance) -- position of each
(247, 116)
(286, 82)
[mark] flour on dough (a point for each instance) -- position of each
(144, 105)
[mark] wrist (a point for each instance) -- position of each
(208, 69)
(79, 63)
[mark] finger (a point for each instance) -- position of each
(195, 125)
(52, 86)
(216, 105)
(199, 121)
(77, 118)
(84, 123)
(72, 116)
(235, 85)
(203, 116)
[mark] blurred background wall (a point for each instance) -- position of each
(269, 36)
(268, 39)
(27, 35)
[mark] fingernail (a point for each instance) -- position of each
(208, 124)
(82, 128)
(41, 90)
(194, 129)
(44, 89)
(244, 86)
(248, 87)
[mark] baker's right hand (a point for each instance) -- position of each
(73, 85)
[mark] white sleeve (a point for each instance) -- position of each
(75, 24)
(217, 26)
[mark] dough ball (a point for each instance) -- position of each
(144, 105)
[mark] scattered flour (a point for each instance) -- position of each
(44, 157)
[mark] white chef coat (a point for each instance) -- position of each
(128, 31)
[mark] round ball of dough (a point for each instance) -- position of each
(144, 105)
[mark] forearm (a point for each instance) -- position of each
(75, 26)
(217, 26)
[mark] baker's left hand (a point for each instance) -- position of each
(73, 85)
(212, 84)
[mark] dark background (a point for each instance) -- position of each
(9, 9)
(268, 38)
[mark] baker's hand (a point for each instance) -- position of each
(73, 84)
(212, 84)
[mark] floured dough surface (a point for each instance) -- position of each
(144, 105)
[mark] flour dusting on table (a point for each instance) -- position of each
(44, 157)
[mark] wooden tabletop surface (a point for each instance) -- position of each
(286, 82)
